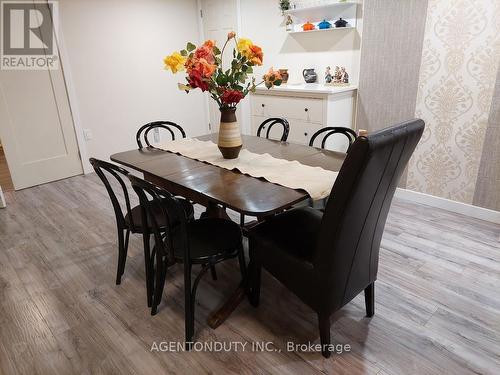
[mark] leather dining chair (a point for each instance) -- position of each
(332, 130)
(203, 242)
(270, 122)
(328, 258)
(132, 221)
(143, 132)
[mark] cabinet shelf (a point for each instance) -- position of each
(330, 12)
(320, 30)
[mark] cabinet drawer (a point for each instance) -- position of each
(275, 133)
(303, 109)
(301, 132)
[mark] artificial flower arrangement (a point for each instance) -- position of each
(205, 71)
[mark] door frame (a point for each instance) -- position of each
(245, 121)
(65, 66)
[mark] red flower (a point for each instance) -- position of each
(196, 80)
(232, 97)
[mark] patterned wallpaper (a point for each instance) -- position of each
(460, 59)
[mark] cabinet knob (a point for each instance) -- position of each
(263, 105)
(305, 134)
(306, 109)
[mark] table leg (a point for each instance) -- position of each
(215, 210)
(218, 317)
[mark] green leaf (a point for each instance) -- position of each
(184, 52)
(244, 68)
(216, 50)
(190, 47)
(249, 69)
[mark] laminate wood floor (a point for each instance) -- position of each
(437, 299)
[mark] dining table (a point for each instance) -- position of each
(218, 189)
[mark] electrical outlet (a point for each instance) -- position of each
(87, 134)
(156, 135)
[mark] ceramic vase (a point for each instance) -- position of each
(229, 141)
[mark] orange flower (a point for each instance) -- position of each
(209, 43)
(256, 55)
(201, 66)
(205, 52)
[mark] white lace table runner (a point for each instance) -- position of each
(316, 181)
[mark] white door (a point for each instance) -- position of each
(219, 17)
(36, 127)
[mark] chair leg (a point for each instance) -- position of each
(122, 256)
(213, 272)
(370, 300)
(188, 308)
(324, 334)
(255, 276)
(159, 283)
(243, 265)
(149, 271)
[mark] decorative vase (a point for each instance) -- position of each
(229, 134)
(284, 75)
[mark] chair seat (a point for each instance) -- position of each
(137, 215)
(211, 239)
(292, 232)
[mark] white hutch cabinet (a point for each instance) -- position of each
(307, 107)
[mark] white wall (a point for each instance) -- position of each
(262, 22)
(114, 51)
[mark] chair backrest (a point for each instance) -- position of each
(157, 201)
(355, 215)
(331, 130)
(270, 122)
(105, 169)
(142, 133)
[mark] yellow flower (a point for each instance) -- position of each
(175, 62)
(244, 47)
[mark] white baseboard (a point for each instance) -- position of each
(3, 204)
(447, 204)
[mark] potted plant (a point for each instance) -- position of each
(226, 84)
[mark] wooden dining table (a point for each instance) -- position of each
(218, 188)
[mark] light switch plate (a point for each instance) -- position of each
(87, 134)
(156, 135)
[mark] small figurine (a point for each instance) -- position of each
(340, 23)
(328, 75)
(324, 25)
(308, 26)
(289, 23)
(340, 77)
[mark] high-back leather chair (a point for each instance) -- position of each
(328, 258)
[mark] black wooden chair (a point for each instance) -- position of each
(202, 242)
(270, 122)
(171, 127)
(332, 130)
(328, 258)
(132, 220)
